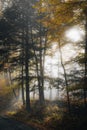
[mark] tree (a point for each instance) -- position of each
(59, 16)
(26, 37)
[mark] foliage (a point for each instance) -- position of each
(6, 95)
(59, 16)
(51, 117)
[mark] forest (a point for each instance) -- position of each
(43, 63)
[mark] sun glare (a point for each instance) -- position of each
(75, 34)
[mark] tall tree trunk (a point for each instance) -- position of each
(39, 79)
(28, 107)
(27, 79)
(58, 81)
(65, 76)
(22, 66)
(22, 85)
(41, 89)
(85, 75)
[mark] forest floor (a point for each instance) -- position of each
(53, 116)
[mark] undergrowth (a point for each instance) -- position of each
(51, 117)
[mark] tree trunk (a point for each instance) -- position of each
(65, 76)
(22, 86)
(27, 80)
(41, 89)
(22, 66)
(39, 80)
(28, 107)
(85, 75)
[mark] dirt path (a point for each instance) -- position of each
(10, 124)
